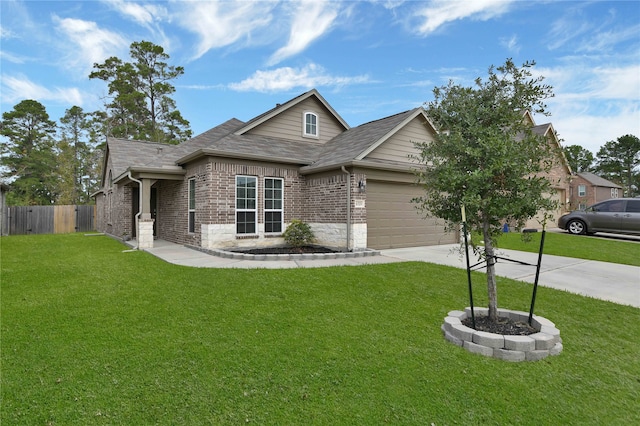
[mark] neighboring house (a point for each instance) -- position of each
(559, 175)
(240, 183)
(588, 188)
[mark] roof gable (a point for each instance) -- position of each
(356, 143)
(274, 121)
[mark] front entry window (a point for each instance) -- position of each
(246, 204)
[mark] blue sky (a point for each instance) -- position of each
(369, 59)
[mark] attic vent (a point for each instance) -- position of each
(159, 150)
(278, 105)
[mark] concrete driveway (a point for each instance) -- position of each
(602, 280)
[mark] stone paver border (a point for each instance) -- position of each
(533, 347)
(305, 256)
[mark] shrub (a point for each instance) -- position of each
(298, 234)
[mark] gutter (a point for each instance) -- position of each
(348, 206)
(139, 208)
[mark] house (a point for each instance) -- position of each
(559, 175)
(239, 184)
(588, 188)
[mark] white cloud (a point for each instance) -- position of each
(310, 21)
(147, 15)
(143, 14)
(287, 78)
(15, 89)
(594, 104)
(439, 12)
(511, 44)
(90, 44)
(220, 24)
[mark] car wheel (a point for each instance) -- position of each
(576, 227)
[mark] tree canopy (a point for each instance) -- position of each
(139, 105)
(28, 155)
(487, 157)
(579, 159)
(619, 161)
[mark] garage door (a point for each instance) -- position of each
(394, 222)
(536, 222)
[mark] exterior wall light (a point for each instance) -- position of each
(362, 186)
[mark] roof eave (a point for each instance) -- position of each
(206, 152)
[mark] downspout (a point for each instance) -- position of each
(348, 207)
(139, 208)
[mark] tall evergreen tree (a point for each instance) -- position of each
(619, 161)
(140, 104)
(487, 157)
(28, 154)
(77, 150)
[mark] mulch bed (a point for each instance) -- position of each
(287, 250)
(503, 326)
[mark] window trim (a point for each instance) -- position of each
(191, 211)
(306, 134)
(254, 210)
(582, 190)
(272, 210)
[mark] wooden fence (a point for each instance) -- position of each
(23, 220)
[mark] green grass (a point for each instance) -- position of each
(578, 246)
(92, 335)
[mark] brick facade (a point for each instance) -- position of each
(592, 193)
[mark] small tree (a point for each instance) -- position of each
(487, 157)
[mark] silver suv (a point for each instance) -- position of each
(618, 216)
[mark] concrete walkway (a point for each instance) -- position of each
(601, 280)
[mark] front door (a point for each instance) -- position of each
(135, 208)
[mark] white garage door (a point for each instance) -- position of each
(536, 222)
(393, 220)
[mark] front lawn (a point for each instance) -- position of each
(578, 246)
(92, 335)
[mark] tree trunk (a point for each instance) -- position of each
(492, 289)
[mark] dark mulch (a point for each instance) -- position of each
(501, 326)
(287, 250)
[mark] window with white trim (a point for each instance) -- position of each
(273, 200)
(192, 205)
(582, 190)
(246, 204)
(310, 125)
(614, 192)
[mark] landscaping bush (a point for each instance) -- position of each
(298, 234)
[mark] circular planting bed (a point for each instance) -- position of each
(542, 340)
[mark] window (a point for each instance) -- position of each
(246, 194)
(273, 197)
(192, 205)
(614, 192)
(633, 206)
(310, 125)
(582, 190)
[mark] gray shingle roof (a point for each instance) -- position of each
(597, 180)
(350, 144)
(125, 153)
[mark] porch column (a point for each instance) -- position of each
(145, 223)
